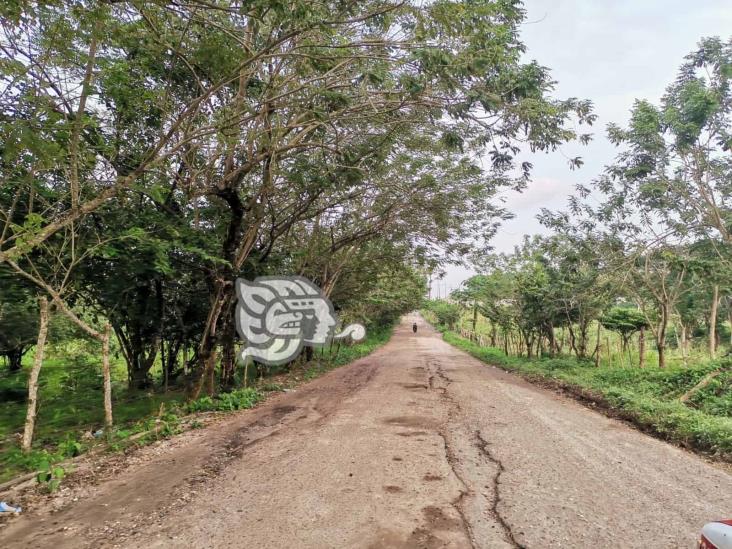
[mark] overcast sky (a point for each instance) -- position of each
(609, 51)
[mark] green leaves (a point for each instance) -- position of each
(50, 476)
(624, 320)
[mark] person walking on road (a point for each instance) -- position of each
(414, 327)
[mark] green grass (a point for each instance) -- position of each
(69, 409)
(648, 397)
(70, 399)
(70, 404)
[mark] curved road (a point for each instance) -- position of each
(417, 445)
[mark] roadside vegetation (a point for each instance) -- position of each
(688, 405)
(648, 398)
(153, 153)
(628, 295)
(71, 418)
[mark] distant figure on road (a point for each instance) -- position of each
(414, 327)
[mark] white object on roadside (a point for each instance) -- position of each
(5, 508)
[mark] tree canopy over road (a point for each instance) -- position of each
(154, 152)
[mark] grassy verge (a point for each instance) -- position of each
(648, 397)
(71, 408)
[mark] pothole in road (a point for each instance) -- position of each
(438, 520)
(413, 386)
(431, 477)
(411, 421)
(412, 433)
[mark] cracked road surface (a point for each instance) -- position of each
(417, 445)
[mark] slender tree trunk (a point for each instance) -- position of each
(572, 341)
(30, 418)
(642, 348)
(529, 346)
(228, 353)
(597, 345)
(164, 365)
(661, 337)
(246, 372)
(108, 420)
(623, 347)
(552, 340)
(583, 328)
(713, 323)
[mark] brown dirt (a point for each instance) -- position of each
(417, 445)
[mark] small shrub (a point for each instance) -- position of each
(50, 476)
(225, 402)
(70, 448)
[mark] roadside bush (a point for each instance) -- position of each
(226, 402)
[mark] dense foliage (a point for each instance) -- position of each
(153, 152)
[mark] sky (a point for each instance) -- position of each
(608, 51)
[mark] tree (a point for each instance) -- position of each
(675, 165)
(30, 419)
(447, 314)
(152, 153)
(625, 321)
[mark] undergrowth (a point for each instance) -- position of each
(70, 413)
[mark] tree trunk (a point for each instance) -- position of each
(661, 336)
(713, 323)
(642, 348)
(706, 380)
(582, 347)
(15, 359)
(107, 378)
(572, 341)
(139, 352)
(30, 418)
(207, 348)
(552, 340)
(228, 353)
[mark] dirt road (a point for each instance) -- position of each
(417, 445)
